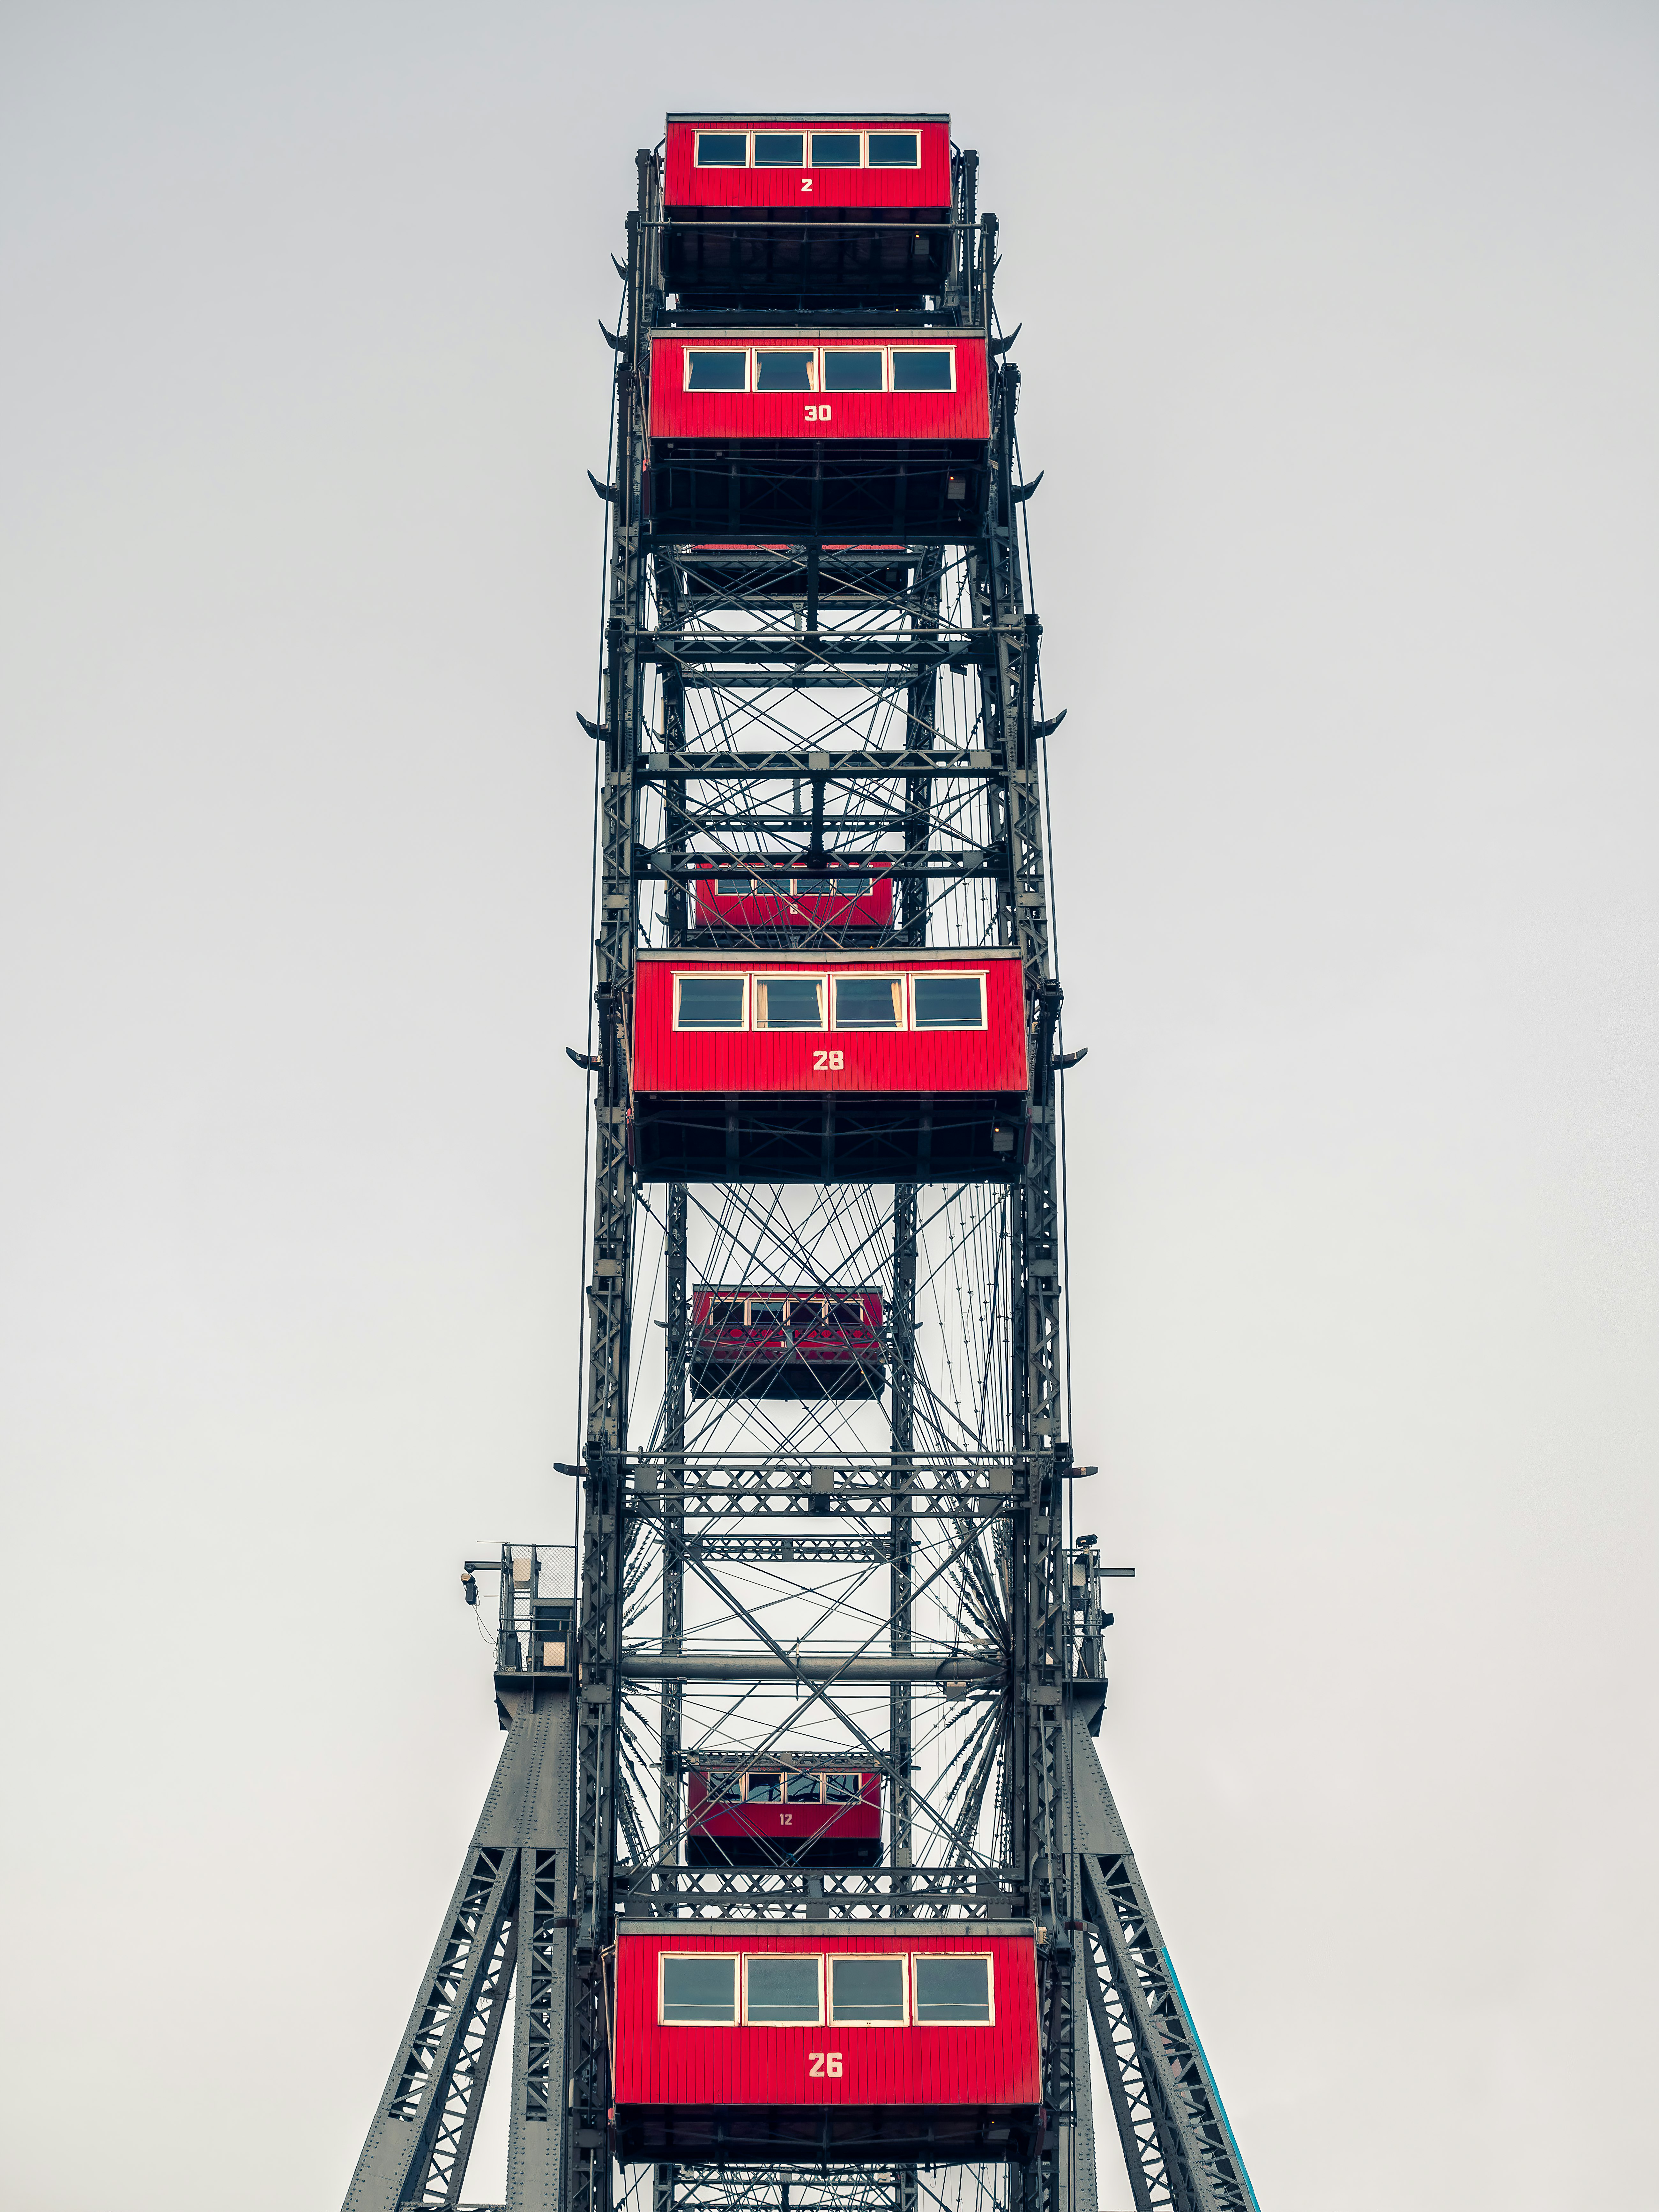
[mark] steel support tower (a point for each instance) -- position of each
(895, 1581)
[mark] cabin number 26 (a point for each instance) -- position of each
(825, 2066)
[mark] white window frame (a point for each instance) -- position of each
(736, 2021)
(816, 1957)
(765, 1298)
(788, 975)
(747, 137)
(952, 1029)
(705, 976)
(832, 1958)
(814, 375)
(863, 163)
(748, 384)
(861, 1029)
(783, 130)
(858, 346)
(916, 134)
(949, 353)
(989, 1957)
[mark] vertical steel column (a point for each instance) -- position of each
(901, 1573)
(587, 2163)
(673, 1538)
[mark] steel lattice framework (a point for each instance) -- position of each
(891, 1577)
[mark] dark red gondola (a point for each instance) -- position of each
(755, 2044)
(797, 898)
(773, 1343)
(781, 1813)
(801, 1066)
(862, 434)
(806, 210)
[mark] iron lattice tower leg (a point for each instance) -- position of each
(1178, 2143)
(508, 1909)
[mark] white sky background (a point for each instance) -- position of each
(1339, 355)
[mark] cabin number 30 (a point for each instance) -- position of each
(825, 2066)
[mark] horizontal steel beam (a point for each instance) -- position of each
(800, 679)
(762, 1667)
(799, 761)
(762, 538)
(791, 647)
(944, 868)
(836, 1551)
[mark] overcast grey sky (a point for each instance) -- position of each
(1340, 356)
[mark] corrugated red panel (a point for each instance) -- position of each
(963, 415)
(937, 2067)
(925, 191)
(981, 1063)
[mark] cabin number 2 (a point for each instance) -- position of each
(829, 1059)
(825, 2066)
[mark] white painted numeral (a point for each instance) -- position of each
(826, 2065)
(829, 1059)
(807, 184)
(817, 414)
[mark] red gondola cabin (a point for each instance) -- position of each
(858, 434)
(796, 899)
(809, 211)
(778, 1814)
(913, 2040)
(811, 1067)
(749, 1343)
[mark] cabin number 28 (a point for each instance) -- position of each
(831, 1060)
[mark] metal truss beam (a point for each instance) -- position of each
(508, 1910)
(790, 763)
(1178, 2142)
